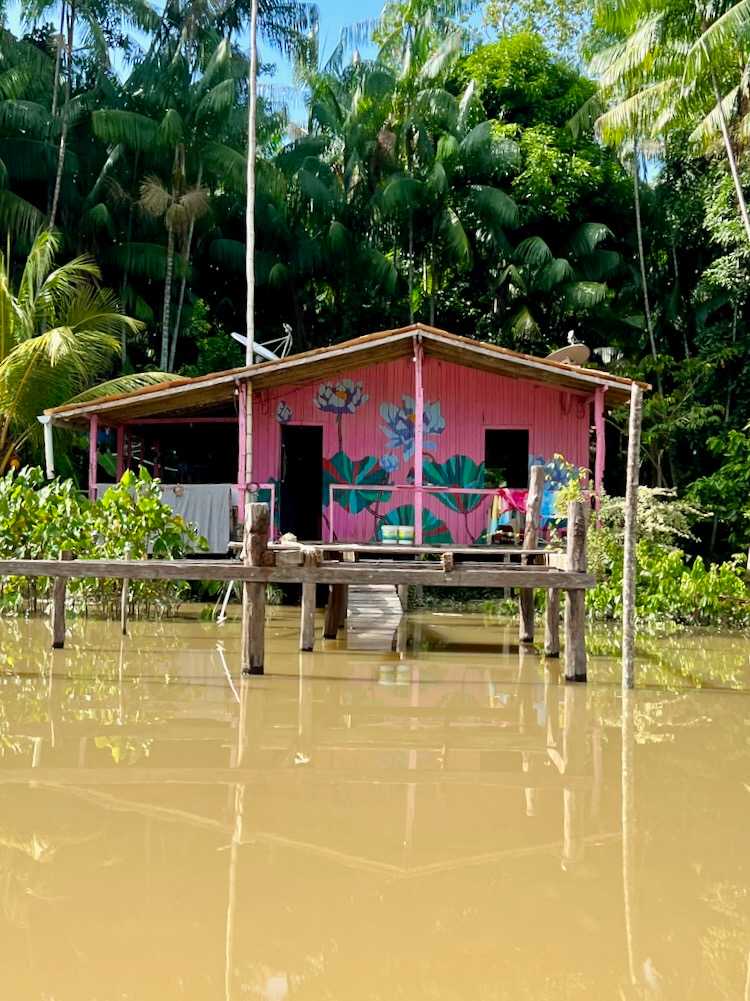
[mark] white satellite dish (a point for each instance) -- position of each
(273, 350)
(572, 354)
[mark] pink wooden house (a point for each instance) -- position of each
(414, 426)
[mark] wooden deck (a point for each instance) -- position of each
(363, 577)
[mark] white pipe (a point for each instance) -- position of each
(49, 446)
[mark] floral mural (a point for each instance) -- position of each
(283, 412)
(343, 397)
(399, 425)
(434, 531)
(457, 471)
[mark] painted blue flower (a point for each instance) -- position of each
(399, 425)
(389, 463)
(283, 412)
(345, 397)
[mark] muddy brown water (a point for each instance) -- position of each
(414, 814)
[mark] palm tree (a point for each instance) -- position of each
(179, 206)
(670, 66)
(59, 334)
(91, 14)
(547, 291)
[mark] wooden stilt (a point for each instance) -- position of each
(403, 596)
(343, 605)
(552, 623)
(58, 606)
(575, 609)
(254, 594)
(530, 539)
(307, 619)
(631, 537)
(333, 619)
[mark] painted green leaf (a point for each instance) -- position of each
(434, 531)
(357, 472)
(458, 471)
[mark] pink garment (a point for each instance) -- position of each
(513, 500)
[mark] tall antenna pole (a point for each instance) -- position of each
(250, 209)
(252, 102)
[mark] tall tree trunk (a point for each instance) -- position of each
(250, 205)
(733, 168)
(183, 281)
(126, 270)
(642, 259)
(167, 300)
(410, 272)
(64, 127)
(58, 60)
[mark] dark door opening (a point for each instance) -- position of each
(301, 492)
(506, 458)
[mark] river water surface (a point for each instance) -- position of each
(424, 814)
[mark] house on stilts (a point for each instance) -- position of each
(414, 426)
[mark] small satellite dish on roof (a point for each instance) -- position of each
(572, 354)
(273, 350)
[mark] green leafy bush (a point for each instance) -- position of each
(39, 519)
(670, 585)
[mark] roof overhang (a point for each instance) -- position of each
(191, 396)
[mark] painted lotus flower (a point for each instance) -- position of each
(283, 412)
(389, 462)
(399, 425)
(345, 397)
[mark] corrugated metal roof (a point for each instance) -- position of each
(190, 395)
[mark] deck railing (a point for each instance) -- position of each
(390, 488)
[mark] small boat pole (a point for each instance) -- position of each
(631, 534)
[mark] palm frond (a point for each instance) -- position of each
(732, 26)
(587, 237)
(533, 251)
(125, 384)
(115, 126)
(493, 205)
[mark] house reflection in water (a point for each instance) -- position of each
(404, 824)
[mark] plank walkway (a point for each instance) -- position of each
(374, 614)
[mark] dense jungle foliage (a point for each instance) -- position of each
(513, 171)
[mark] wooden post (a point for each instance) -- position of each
(631, 536)
(254, 594)
(120, 452)
(600, 454)
(125, 598)
(418, 439)
(552, 623)
(337, 599)
(575, 601)
(530, 539)
(307, 617)
(93, 455)
(242, 449)
(58, 606)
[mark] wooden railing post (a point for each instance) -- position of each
(530, 539)
(59, 588)
(254, 594)
(575, 601)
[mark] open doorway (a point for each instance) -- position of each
(506, 458)
(301, 488)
